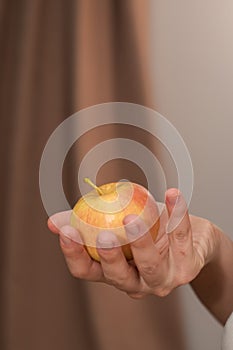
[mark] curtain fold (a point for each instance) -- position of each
(57, 57)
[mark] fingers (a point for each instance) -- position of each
(157, 268)
(78, 260)
(147, 257)
(56, 221)
(116, 269)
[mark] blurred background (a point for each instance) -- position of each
(57, 57)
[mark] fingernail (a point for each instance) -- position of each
(70, 233)
(65, 240)
(106, 239)
(172, 200)
(173, 196)
(175, 199)
(132, 230)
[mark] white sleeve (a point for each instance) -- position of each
(227, 340)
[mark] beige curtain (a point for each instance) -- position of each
(57, 57)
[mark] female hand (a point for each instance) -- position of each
(175, 259)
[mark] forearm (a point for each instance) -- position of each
(214, 284)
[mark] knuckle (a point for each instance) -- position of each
(119, 281)
(162, 292)
(136, 296)
(117, 284)
(81, 271)
(122, 279)
(182, 253)
(82, 274)
(108, 279)
(181, 235)
(148, 270)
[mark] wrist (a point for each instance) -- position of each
(220, 245)
(214, 284)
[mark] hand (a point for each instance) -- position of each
(176, 258)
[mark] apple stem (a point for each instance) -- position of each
(89, 182)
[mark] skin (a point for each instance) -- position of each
(188, 249)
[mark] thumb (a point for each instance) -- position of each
(179, 223)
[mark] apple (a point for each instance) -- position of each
(105, 207)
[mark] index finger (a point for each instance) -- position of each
(58, 220)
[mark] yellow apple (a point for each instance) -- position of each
(105, 207)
